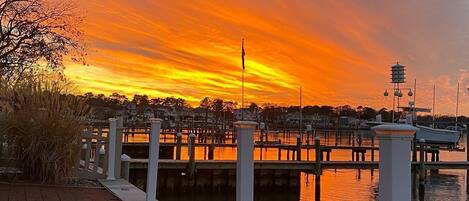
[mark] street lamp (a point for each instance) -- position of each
(397, 78)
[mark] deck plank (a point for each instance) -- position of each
(16, 193)
(4, 191)
(33, 193)
(49, 193)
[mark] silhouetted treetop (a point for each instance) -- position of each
(38, 32)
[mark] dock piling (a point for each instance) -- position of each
(153, 157)
(395, 161)
(191, 144)
(178, 145)
(112, 149)
(422, 169)
(317, 146)
(245, 161)
(298, 147)
(467, 158)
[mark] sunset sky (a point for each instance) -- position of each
(338, 51)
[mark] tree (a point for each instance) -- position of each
(33, 31)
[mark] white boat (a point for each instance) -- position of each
(432, 135)
(438, 136)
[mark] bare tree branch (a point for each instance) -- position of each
(38, 30)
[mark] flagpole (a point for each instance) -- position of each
(242, 96)
(433, 106)
(301, 116)
(242, 90)
(457, 107)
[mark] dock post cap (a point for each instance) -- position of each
(155, 120)
(102, 150)
(112, 119)
(317, 138)
(397, 130)
(125, 157)
(245, 124)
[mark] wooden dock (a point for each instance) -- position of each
(289, 165)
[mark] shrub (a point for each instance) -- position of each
(42, 123)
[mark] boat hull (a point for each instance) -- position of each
(437, 136)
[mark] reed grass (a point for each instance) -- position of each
(42, 123)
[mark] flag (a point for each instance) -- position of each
(242, 52)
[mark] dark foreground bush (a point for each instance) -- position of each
(42, 125)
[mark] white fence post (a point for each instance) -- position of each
(394, 161)
(152, 172)
(118, 153)
(125, 166)
(112, 149)
(245, 160)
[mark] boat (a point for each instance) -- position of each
(438, 136)
(431, 135)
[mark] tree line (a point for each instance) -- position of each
(225, 108)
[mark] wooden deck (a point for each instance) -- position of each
(33, 192)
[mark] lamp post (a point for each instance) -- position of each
(397, 78)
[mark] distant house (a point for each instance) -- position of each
(248, 115)
(148, 113)
(199, 115)
(131, 109)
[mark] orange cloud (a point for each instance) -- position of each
(339, 52)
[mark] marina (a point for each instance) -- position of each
(277, 163)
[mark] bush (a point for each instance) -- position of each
(42, 124)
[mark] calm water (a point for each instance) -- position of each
(335, 184)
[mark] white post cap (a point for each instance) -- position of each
(125, 157)
(245, 124)
(395, 131)
(155, 120)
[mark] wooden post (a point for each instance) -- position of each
(317, 187)
(298, 147)
(372, 148)
(318, 154)
(279, 153)
(467, 158)
(191, 152)
(422, 169)
(211, 149)
(178, 145)
(317, 182)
